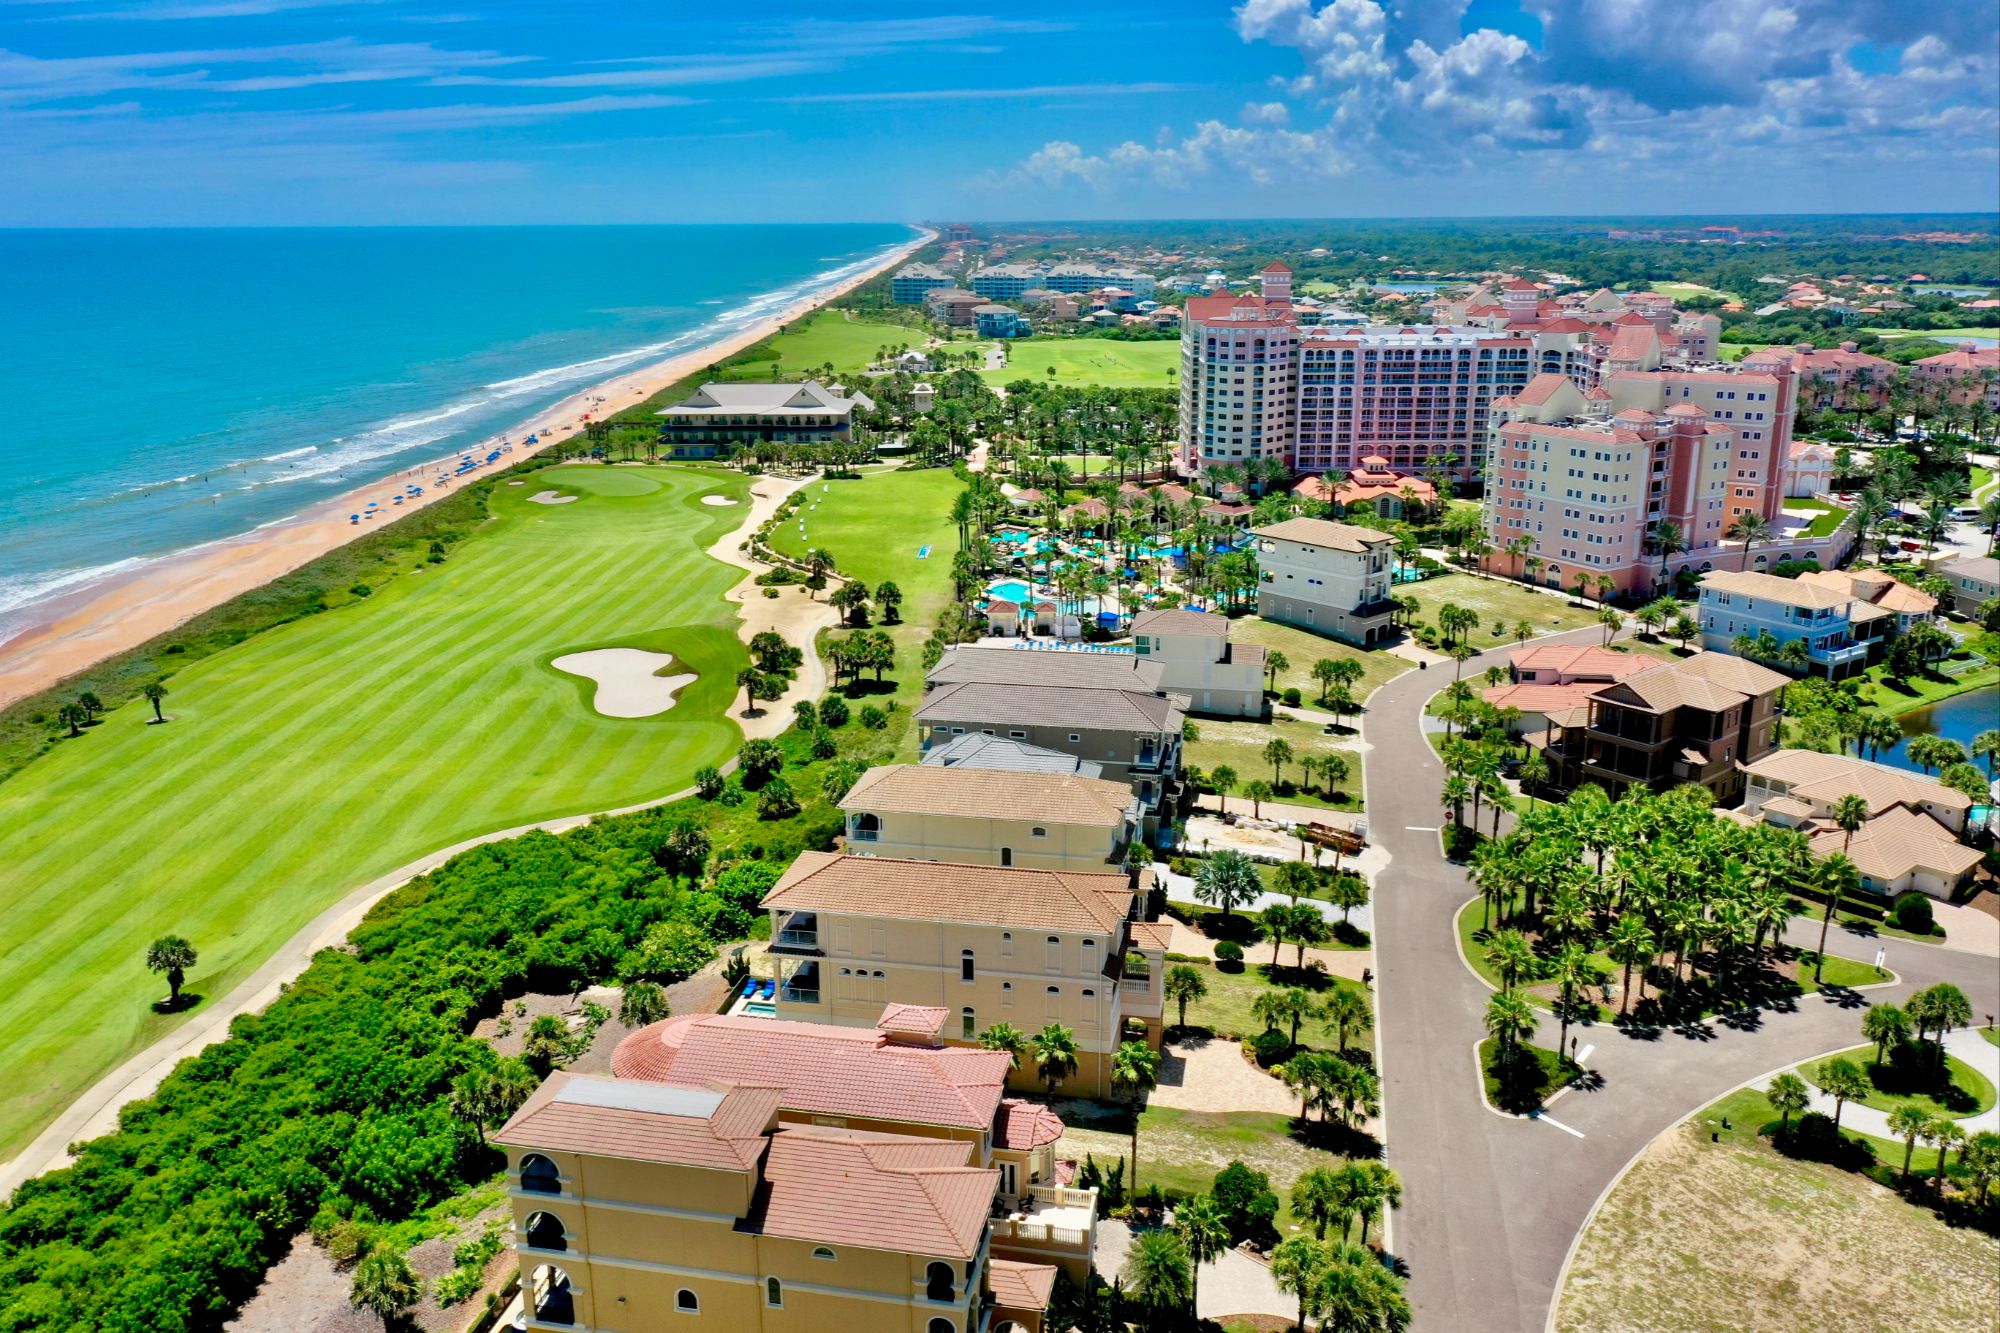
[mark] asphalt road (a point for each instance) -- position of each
(1491, 1204)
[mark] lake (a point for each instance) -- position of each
(1958, 718)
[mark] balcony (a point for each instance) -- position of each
(1050, 1220)
(800, 985)
(798, 932)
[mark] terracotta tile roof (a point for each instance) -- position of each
(1898, 841)
(875, 886)
(1734, 673)
(826, 1070)
(1540, 389)
(1878, 588)
(1825, 778)
(1152, 935)
(1533, 698)
(1322, 532)
(1581, 659)
(928, 1020)
(972, 793)
(1022, 1125)
(720, 1127)
(1177, 621)
(908, 1196)
(977, 702)
(1020, 1286)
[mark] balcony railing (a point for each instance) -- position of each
(1062, 1196)
(1041, 1234)
(799, 994)
(798, 939)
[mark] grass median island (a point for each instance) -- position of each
(307, 760)
(1707, 1234)
(1112, 363)
(1967, 1093)
(1521, 1078)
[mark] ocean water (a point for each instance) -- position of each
(163, 389)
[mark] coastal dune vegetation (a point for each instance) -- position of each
(305, 761)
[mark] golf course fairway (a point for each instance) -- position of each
(316, 756)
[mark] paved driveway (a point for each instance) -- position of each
(1491, 1203)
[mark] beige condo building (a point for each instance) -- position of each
(863, 1180)
(1042, 821)
(981, 944)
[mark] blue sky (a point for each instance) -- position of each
(138, 112)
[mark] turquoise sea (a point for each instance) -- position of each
(167, 388)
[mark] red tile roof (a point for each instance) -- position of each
(1581, 659)
(905, 1196)
(919, 1018)
(682, 1124)
(1020, 1286)
(826, 1070)
(1023, 1125)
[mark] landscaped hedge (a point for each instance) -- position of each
(336, 1095)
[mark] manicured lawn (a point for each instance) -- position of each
(1827, 516)
(1942, 335)
(1982, 477)
(1302, 648)
(1841, 973)
(1225, 1010)
(1976, 1091)
(1991, 1034)
(1185, 1149)
(1498, 601)
(1681, 291)
(1117, 365)
(1737, 351)
(1240, 745)
(1703, 1235)
(306, 761)
(1915, 691)
(874, 527)
(1522, 1082)
(829, 336)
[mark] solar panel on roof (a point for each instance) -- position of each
(617, 1094)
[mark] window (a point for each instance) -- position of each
(968, 1024)
(1038, 833)
(774, 1293)
(538, 1175)
(822, 1252)
(1055, 953)
(940, 1284)
(687, 1302)
(965, 964)
(1006, 856)
(545, 1232)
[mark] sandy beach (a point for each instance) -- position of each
(77, 631)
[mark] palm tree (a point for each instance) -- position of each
(1135, 1071)
(1183, 985)
(1296, 1266)
(1358, 1295)
(1278, 753)
(1573, 969)
(1944, 1135)
(1885, 1024)
(1510, 954)
(1378, 1187)
(1259, 791)
(1200, 1224)
(1842, 1080)
(1006, 1037)
(1223, 778)
(1317, 1200)
(1749, 528)
(1227, 880)
(643, 1002)
(1849, 812)
(155, 690)
(1631, 943)
(1909, 1122)
(173, 955)
(1156, 1273)
(1346, 1011)
(1788, 1096)
(1667, 540)
(1509, 1020)
(1290, 1006)
(1275, 664)
(1055, 1055)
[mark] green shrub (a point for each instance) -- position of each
(1291, 696)
(833, 712)
(1271, 1047)
(1913, 913)
(1229, 956)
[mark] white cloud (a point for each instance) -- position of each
(1399, 88)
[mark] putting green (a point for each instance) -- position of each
(310, 759)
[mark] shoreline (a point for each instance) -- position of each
(75, 631)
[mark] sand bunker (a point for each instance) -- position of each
(550, 498)
(626, 683)
(717, 500)
(517, 483)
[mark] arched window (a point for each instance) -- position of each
(965, 965)
(545, 1232)
(943, 1326)
(824, 1252)
(539, 1175)
(940, 1283)
(867, 828)
(774, 1292)
(687, 1302)
(968, 1023)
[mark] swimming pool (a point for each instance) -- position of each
(1013, 590)
(758, 1009)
